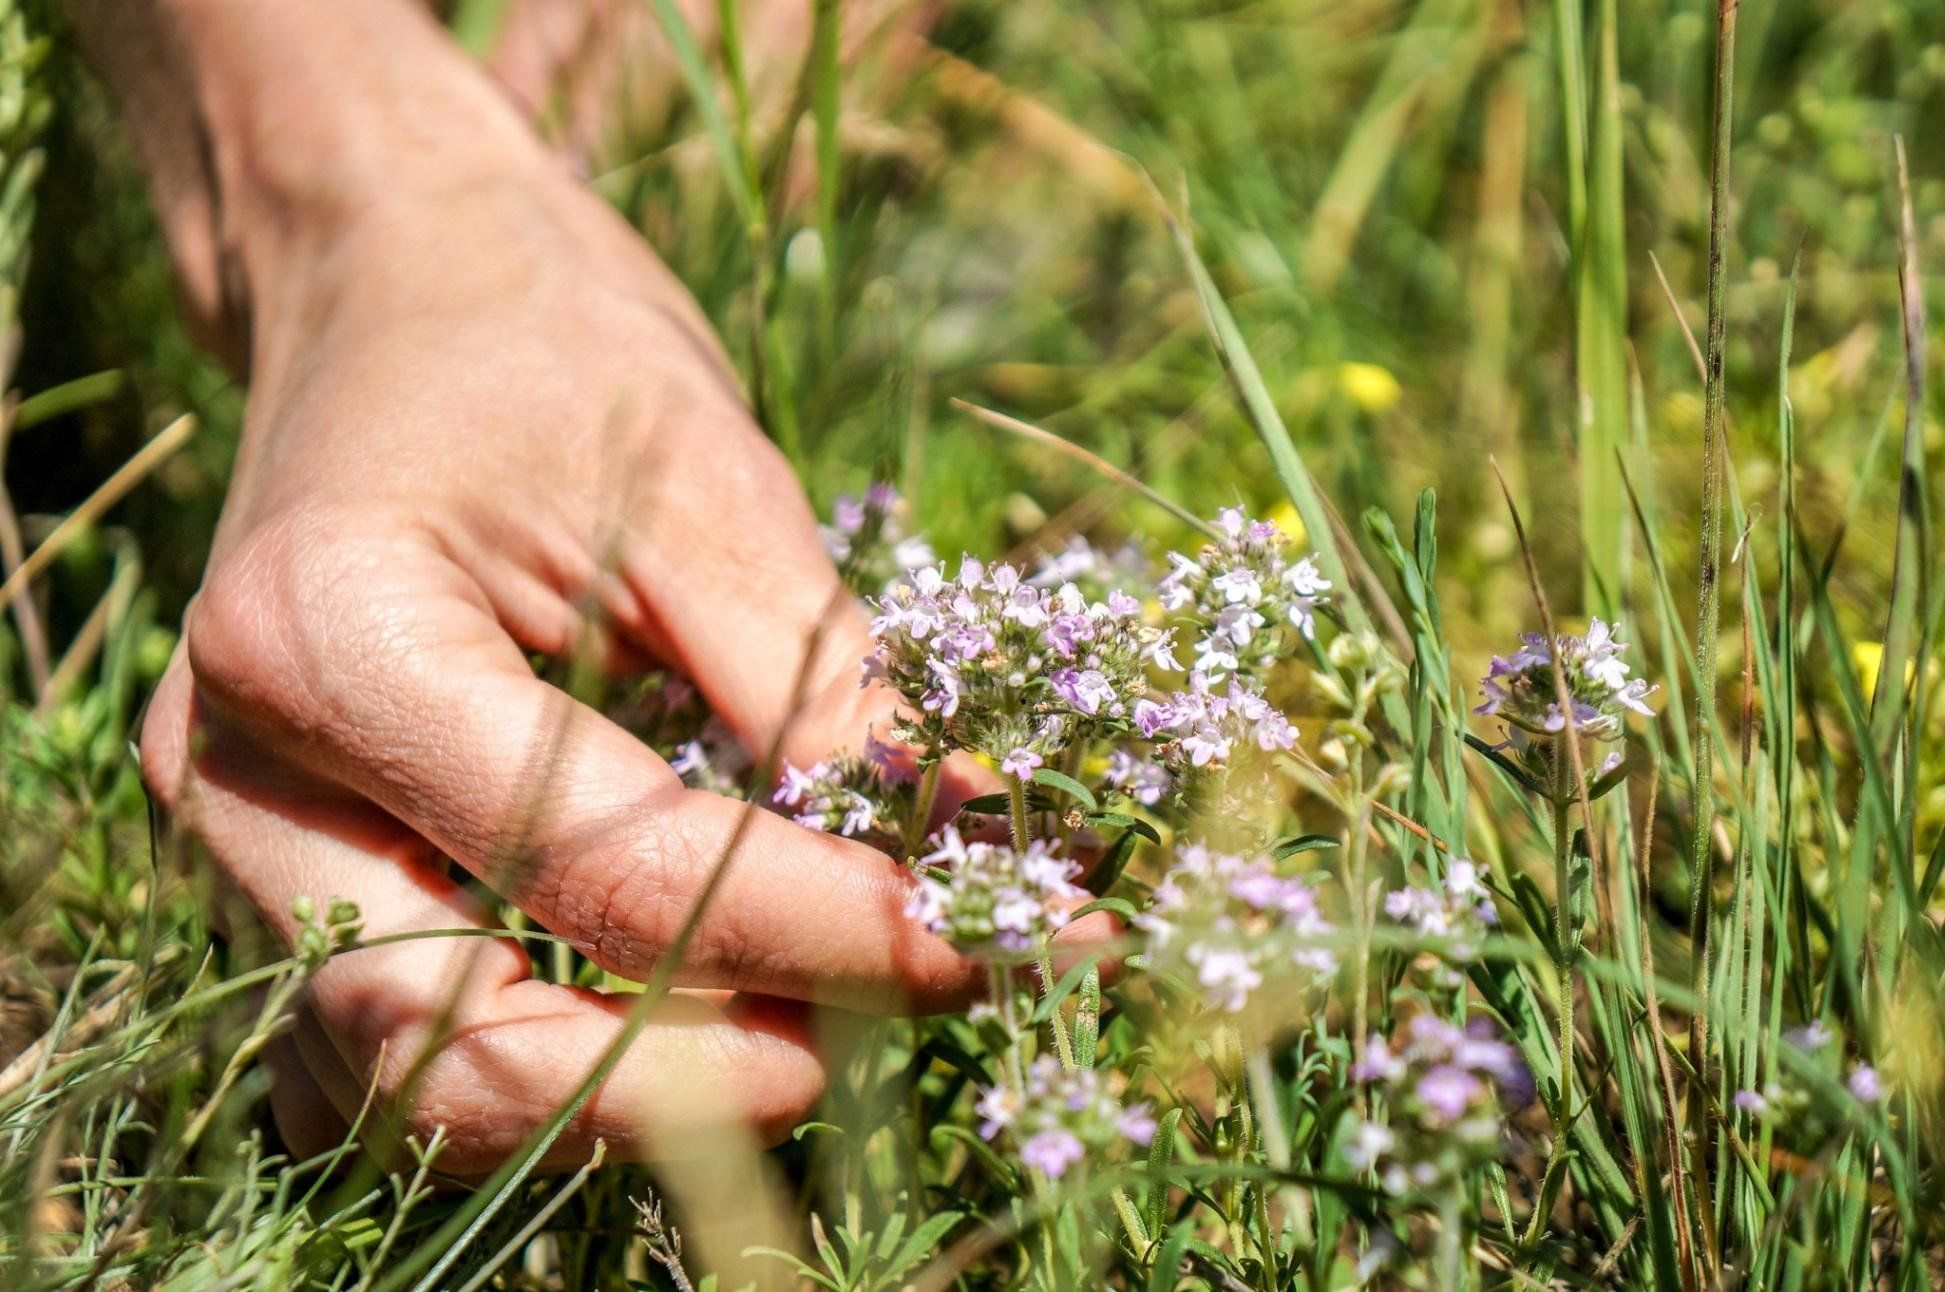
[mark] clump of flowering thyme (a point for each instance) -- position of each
(1444, 1091)
(1063, 1115)
(996, 664)
(1206, 722)
(993, 897)
(1243, 595)
(1520, 688)
(859, 798)
(1232, 923)
(1457, 914)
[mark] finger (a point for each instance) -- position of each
(455, 1027)
(308, 1120)
(734, 568)
(427, 709)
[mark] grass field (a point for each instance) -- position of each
(1352, 266)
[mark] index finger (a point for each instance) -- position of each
(388, 674)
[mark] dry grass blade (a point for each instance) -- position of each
(1039, 435)
(1565, 699)
(112, 491)
(1657, 1039)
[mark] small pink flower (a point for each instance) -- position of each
(1021, 763)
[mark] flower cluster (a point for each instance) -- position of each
(1202, 725)
(1521, 688)
(1444, 1090)
(996, 664)
(860, 798)
(867, 543)
(1095, 572)
(1790, 1101)
(1242, 595)
(994, 896)
(1457, 913)
(1145, 781)
(1233, 922)
(1061, 1116)
(670, 715)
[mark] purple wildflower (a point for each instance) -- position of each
(996, 897)
(1235, 923)
(1521, 688)
(1446, 1088)
(1062, 1116)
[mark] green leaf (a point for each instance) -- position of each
(1507, 765)
(1121, 906)
(1087, 1018)
(1002, 804)
(1112, 863)
(949, 1053)
(1161, 1159)
(1007, 1177)
(923, 1241)
(1068, 785)
(1304, 843)
(1126, 822)
(815, 1127)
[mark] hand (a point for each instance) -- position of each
(483, 422)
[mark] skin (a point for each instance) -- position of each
(485, 421)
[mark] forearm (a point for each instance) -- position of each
(267, 126)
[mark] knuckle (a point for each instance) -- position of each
(163, 746)
(290, 625)
(610, 887)
(232, 632)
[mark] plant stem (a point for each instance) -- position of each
(1009, 1017)
(1056, 1023)
(1017, 796)
(1565, 956)
(1708, 609)
(1360, 907)
(1450, 1266)
(928, 794)
(1276, 1140)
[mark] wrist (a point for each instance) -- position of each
(296, 121)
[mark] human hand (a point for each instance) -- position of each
(484, 422)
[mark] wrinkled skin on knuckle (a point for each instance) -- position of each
(617, 884)
(164, 743)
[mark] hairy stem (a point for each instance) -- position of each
(1017, 799)
(928, 794)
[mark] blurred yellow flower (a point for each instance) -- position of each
(1867, 658)
(1370, 387)
(1284, 517)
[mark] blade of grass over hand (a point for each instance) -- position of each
(1040, 435)
(695, 73)
(512, 1246)
(472, 1218)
